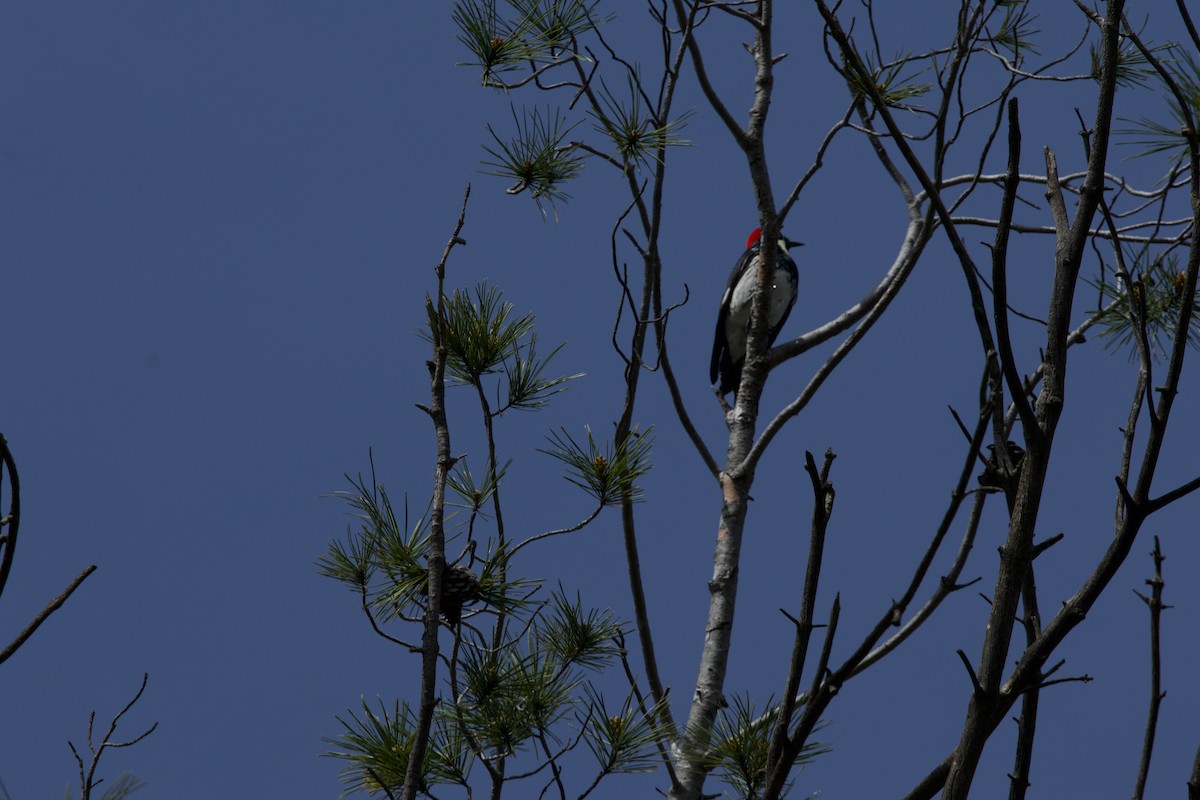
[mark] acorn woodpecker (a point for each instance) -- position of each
(992, 477)
(733, 318)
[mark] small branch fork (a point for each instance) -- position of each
(1155, 605)
(782, 744)
(87, 773)
(827, 681)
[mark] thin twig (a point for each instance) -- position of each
(558, 532)
(1155, 605)
(823, 497)
(999, 279)
(44, 614)
(87, 780)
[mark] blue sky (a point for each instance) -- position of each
(218, 224)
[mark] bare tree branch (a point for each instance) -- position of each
(414, 773)
(87, 773)
(44, 614)
(823, 497)
(1155, 604)
(12, 520)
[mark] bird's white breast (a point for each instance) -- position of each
(783, 289)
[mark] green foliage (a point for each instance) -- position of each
(537, 32)
(539, 35)
(399, 559)
(895, 90)
(609, 473)
(483, 337)
(497, 588)
(740, 743)
(348, 561)
(539, 158)
(623, 741)
(377, 747)
(628, 123)
(534, 36)
(1016, 34)
(380, 545)
(528, 386)
(1158, 137)
(497, 45)
(510, 694)
(124, 785)
(386, 561)
(506, 696)
(1155, 297)
(450, 756)
(575, 636)
(474, 496)
(1132, 67)
(555, 24)
(479, 332)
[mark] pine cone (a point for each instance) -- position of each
(460, 587)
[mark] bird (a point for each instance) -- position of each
(993, 475)
(733, 317)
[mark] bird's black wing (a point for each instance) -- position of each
(719, 344)
(722, 363)
(790, 264)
